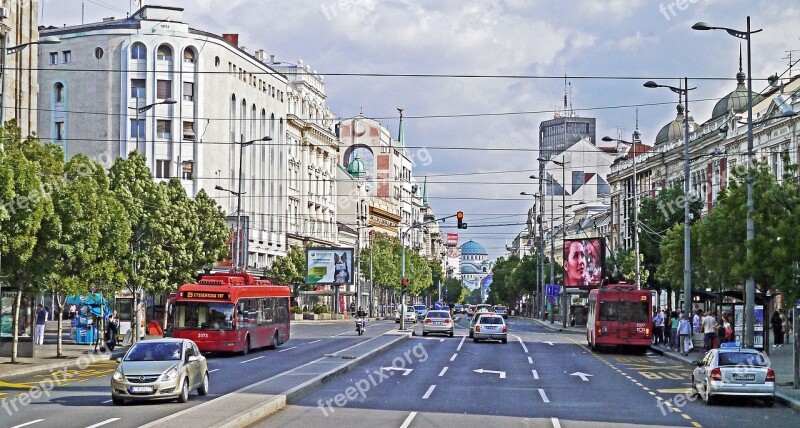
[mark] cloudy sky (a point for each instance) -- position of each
(499, 71)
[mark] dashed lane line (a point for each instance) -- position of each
(535, 374)
(287, 349)
(530, 360)
(429, 392)
(525, 348)
(444, 370)
(543, 395)
(453, 358)
(105, 422)
(252, 359)
(318, 340)
(408, 420)
(28, 423)
(460, 344)
(555, 422)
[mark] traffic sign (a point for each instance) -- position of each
(552, 290)
(437, 305)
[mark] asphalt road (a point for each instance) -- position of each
(82, 399)
(538, 378)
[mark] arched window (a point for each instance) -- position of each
(188, 56)
(164, 53)
(58, 91)
(138, 51)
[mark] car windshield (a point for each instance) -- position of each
(419, 307)
(154, 351)
(744, 359)
(491, 320)
(203, 316)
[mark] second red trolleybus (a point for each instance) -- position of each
(619, 316)
(232, 312)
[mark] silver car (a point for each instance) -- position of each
(732, 372)
(490, 327)
(438, 322)
(160, 370)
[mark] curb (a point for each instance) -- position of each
(780, 397)
(554, 327)
(66, 362)
(279, 401)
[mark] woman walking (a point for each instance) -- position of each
(685, 332)
(777, 328)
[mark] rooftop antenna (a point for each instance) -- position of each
(789, 57)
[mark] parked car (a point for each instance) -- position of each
(410, 315)
(733, 372)
(160, 370)
(490, 327)
(438, 322)
(475, 320)
(420, 310)
(501, 310)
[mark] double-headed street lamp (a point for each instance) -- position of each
(750, 283)
(539, 250)
(238, 257)
(139, 126)
(9, 51)
(687, 221)
(358, 265)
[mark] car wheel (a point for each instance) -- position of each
(475, 340)
(708, 398)
(274, 341)
(769, 402)
(504, 341)
(203, 388)
(184, 397)
(451, 333)
(118, 401)
(246, 346)
(470, 335)
(424, 333)
(693, 392)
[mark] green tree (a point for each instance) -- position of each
(291, 269)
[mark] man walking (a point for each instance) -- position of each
(708, 322)
(41, 321)
(658, 326)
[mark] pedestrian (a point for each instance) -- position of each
(658, 326)
(685, 332)
(777, 328)
(696, 321)
(726, 325)
(111, 333)
(41, 321)
(720, 329)
(707, 324)
(673, 331)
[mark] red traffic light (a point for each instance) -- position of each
(405, 281)
(459, 215)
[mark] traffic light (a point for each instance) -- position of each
(405, 284)
(460, 217)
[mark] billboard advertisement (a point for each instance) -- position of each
(452, 240)
(329, 266)
(583, 262)
(233, 239)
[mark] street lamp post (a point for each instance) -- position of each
(539, 284)
(750, 283)
(8, 51)
(141, 110)
(358, 263)
(687, 225)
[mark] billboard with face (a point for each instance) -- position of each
(583, 262)
(329, 266)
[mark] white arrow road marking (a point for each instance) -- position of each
(28, 423)
(584, 376)
(287, 349)
(406, 372)
(441, 373)
(502, 374)
(535, 374)
(543, 395)
(549, 343)
(408, 420)
(429, 392)
(105, 422)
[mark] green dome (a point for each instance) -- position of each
(356, 168)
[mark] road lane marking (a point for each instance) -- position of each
(453, 358)
(105, 422)
(523, 344)
(212, 371)
(28, 423)
(287, 349)
(530, 360)
(544, 396)
(555, 422)
(408, 420)
(106, 402)
(444, 370)
(318, 340)
(461, 343)
(429, 392)
(252, 359)
(535, 374)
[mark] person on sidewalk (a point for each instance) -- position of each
(41, 321)
(707, 324)
(111, 333)
(658, 326)
(673, 331)
(777, 328)
(685, 332)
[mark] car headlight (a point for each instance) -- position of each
(170, 374)
(118, 376)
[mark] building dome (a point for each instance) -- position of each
(673, 131)
(736, 101)
(356, 168)
(472, 248)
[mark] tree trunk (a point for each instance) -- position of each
(15, 327)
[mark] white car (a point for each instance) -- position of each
(410, 314)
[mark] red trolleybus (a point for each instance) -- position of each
(232, 312)
(619, 316)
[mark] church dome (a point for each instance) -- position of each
(356, 168)
(472, 248)
(736, 101)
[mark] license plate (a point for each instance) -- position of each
(141, 389)
(748, 376)
(437, 323)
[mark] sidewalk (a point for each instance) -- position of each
(46, 359)
(556, 326)
(780, 360)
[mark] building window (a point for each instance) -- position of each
(138, 51)
(59, 92)
(137, 88)
(163, 129)
(137, 128)
(164, 53)
(188, 131)
(188, 56)
(59, 131)
(163, 89)
(67, 57)
(162, 169)
(53, 58)
(188, 91)
(187, 170)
